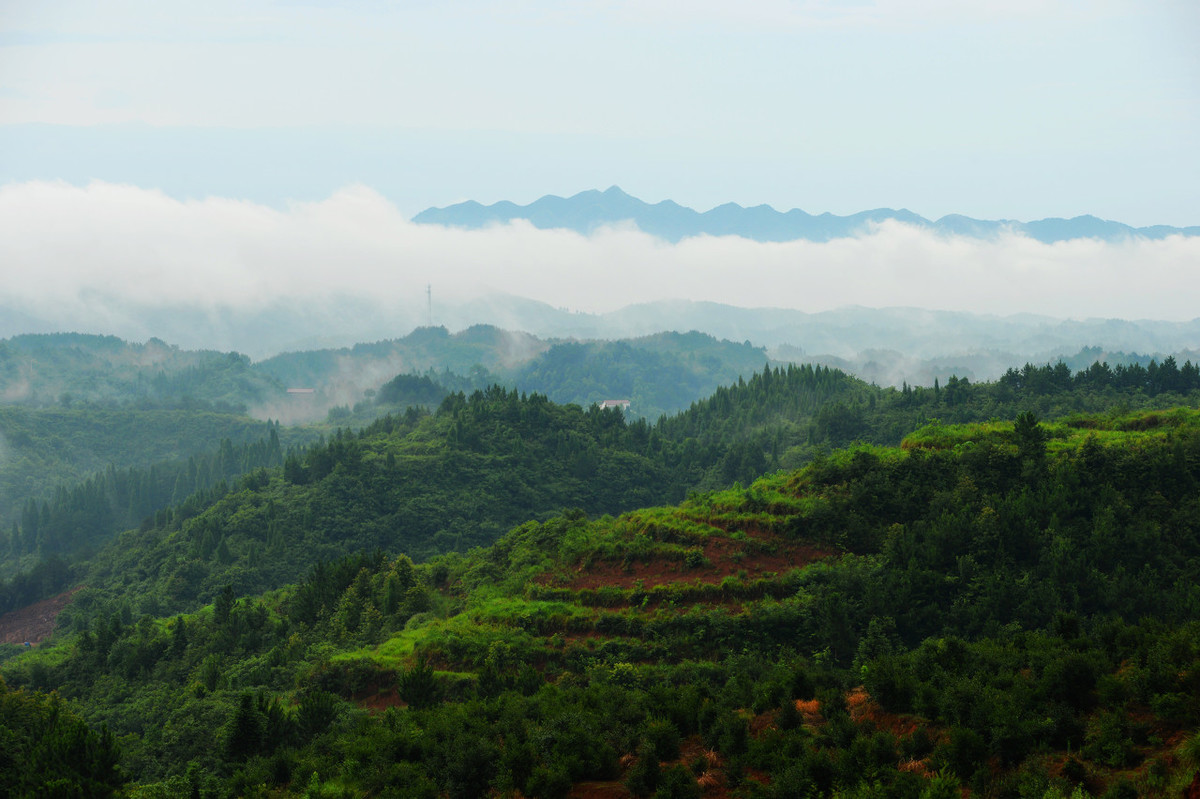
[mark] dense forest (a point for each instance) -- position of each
(45, 451)
(1006, 607)
(78, 520)
(429, 482)
(64, 369)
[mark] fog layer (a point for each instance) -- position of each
(120, 259)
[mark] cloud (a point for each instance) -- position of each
(107, 257)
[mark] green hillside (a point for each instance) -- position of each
(69, 368)
(659, 374)
(429, 483)
(421, 484)
(44, 448)
(1005, 608)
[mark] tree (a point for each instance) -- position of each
(223, 606)
(418, 686)
(1031, 437)
(244, 731)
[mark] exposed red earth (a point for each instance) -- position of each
(758, 555)
(34, 623)
(377, 701)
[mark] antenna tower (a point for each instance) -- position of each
(429, 300)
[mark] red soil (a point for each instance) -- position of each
(380, 701)
(726, 557)
(35, 622)
(599, 790)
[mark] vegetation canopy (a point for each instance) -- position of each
(1007, 607)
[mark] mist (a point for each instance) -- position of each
(134, 262)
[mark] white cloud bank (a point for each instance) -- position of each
(93, 258)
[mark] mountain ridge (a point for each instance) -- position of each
(589, 210)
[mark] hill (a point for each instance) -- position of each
(432, 482)
(888, 346)
(1002, 608)
(70, 368)
(44, 449)
(97, 433)
(429, 483)
(589, 210)
(661, 373)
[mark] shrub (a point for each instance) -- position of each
(677, 783)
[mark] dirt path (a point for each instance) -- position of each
(35, 622)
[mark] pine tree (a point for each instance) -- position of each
(244, 731)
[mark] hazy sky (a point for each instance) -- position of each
(227, 153)
(1017, 109)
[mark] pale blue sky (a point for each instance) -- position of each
(1021, 109)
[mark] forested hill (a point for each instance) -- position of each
(349, 370)
(1004, 608)
(425, 483)
(44, 450)
(97, 433)
(419, 483)
(659, 374)
(429, 483)
(782, 417)
(68, 368)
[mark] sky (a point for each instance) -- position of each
(187, 125)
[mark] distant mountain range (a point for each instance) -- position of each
(589, 210)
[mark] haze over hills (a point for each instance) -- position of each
(588, 210)
(222, 275)
(505, 335)
(842, 332)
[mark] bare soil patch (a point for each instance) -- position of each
(863, 708)
(34, 623)
(599, 790)
(754, 557)
(379, 701)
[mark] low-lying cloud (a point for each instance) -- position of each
(106, 257)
